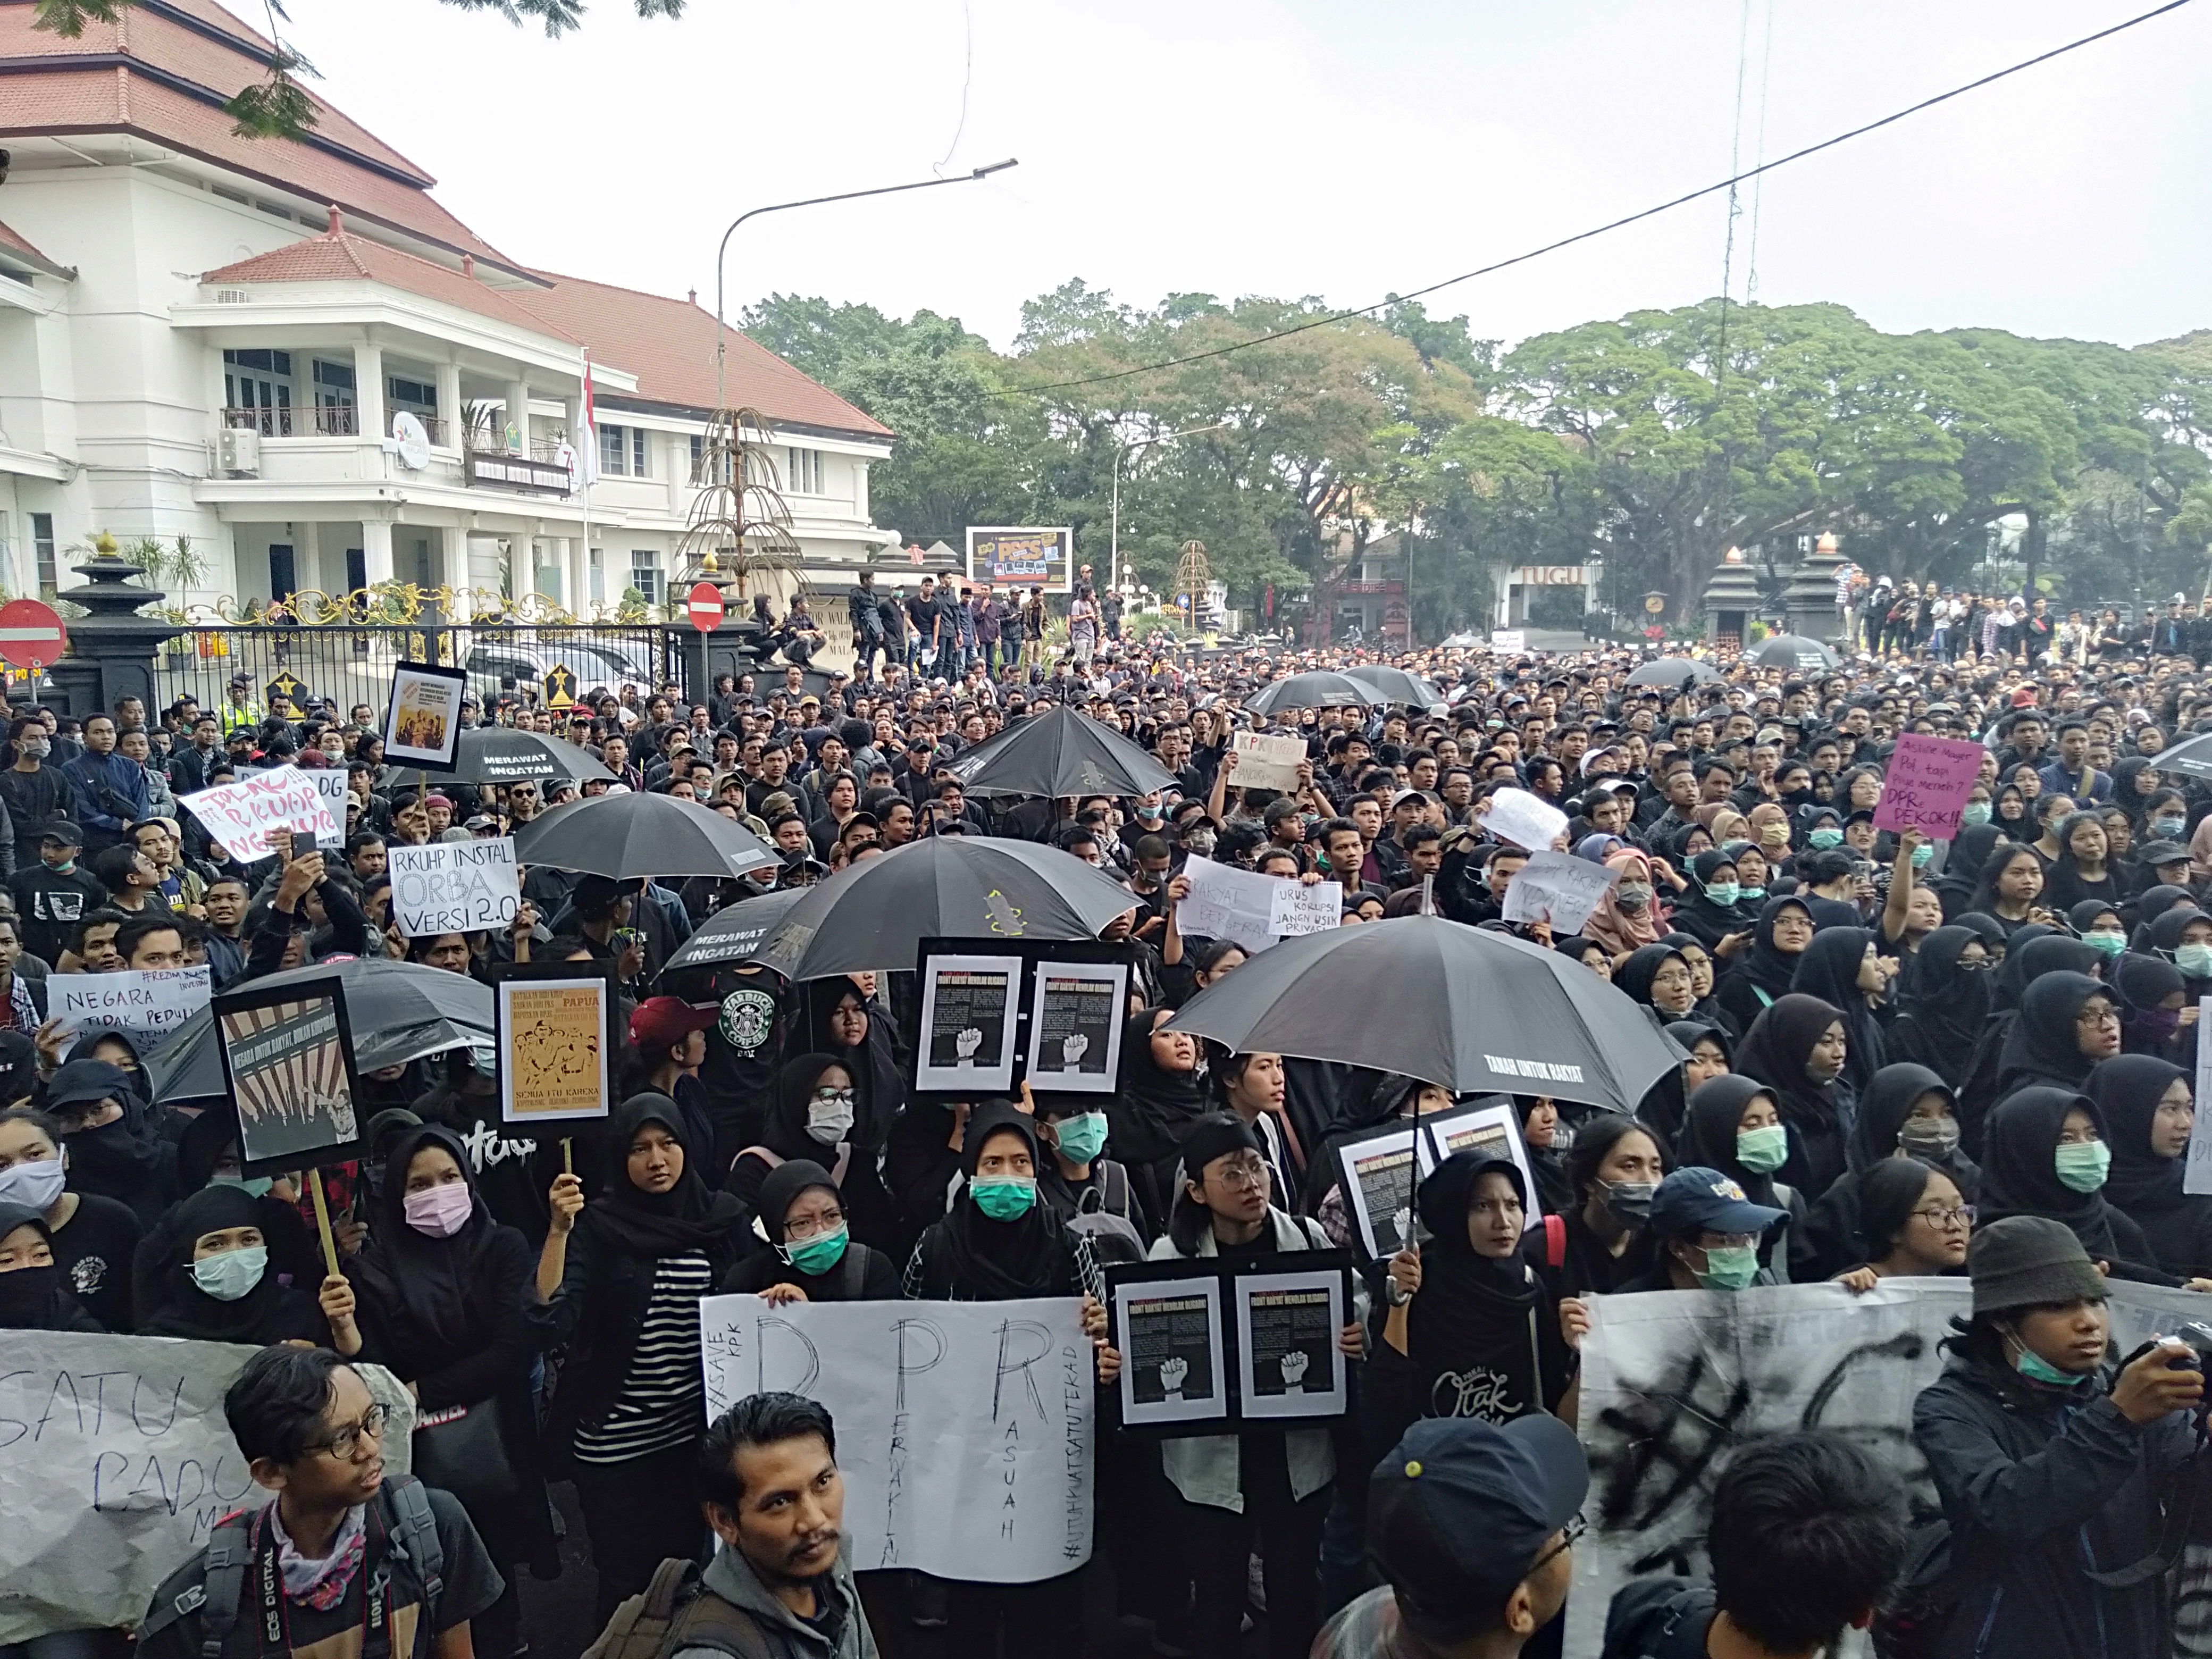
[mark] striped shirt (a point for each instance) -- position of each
(662, 1402)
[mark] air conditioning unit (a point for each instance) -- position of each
(237, 452)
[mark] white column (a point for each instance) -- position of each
(518, 410)
(376, 550)
(369, 388)
(449, 402)
(577, 576)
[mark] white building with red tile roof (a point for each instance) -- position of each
(227, 338)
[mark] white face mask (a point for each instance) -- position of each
(829, 1115)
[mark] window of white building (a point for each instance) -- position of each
(805, 471)
(644, 573)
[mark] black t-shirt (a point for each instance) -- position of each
(49, 904)
(93, 1252)
(923, 614)
(1660, 1618)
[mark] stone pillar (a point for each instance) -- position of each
(449, 402)
(518, 412)
(376, 550)
(368, 389)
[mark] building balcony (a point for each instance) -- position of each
(306, 420)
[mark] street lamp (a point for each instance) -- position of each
(817, 201)
(1113, 545)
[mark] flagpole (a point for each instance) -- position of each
(588, 465)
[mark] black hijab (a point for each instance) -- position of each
(1003, 1261)
(1155, 1106)
(784, 1131)
(688, 1217)
(171, 1303)
(1764, 968)
(2013, 973)
(878, 1081)
(422, 1285)
(128, 1159)
(36, 1298)
(1829, 969)
(2041, 1048)
(782, 1187)
(2127, 1088)
(2154, 902)
(1883, 1108)
(2020, 1171)
(1477, 1318)
(1709, 1132)
(1697, 914)
(1635, 975)
(1941, 1006)
(1962, 866)
(1775, 1051)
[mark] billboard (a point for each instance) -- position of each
(1009, 557)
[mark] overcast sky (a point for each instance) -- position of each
(1294, 147)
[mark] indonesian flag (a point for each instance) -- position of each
(588, 441)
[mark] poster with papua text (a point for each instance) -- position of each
(1007, 556)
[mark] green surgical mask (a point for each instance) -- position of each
(2111, 943)
(2083, 1164)
(1722, 893)
(1731, 1267)
(1751, 895)
(1006, 1199)
(233, 1274)
(1974, 812)
(2194, 960)
(819, 1253)
(2035, 1367)
(1922, 854)
(1081, 1137)
(1825, 838)
(1763, 1151)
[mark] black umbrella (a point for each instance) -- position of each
(1473, 1010)
(1064, 753)
(1792, 651)
(1668, 673)
(630, 836)
(399, 1011)
(735, 933)
(1315, 689)
(875, 913)
(2192, 756)
(1397, 685)
(503, 754)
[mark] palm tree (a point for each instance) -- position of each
(740, 524)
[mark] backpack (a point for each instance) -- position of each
(411, 1540)
(1102, 1216)
(676, 1612)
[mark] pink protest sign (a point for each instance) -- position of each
(1926, 783)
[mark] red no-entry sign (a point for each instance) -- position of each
(31, 633)
(704, 602)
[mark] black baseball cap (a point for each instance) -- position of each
(1460, 1510)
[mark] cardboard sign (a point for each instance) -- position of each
(1079, 1011)
(551, 1021)
(239, 815)
(969, 1007)
(1558, 888)
(1925, 785)
(422, 728)
(1253, 910)
(330, 783)
(454, 886)
(1509, 639)
(140, 1003)
(288, 1056)
(1265, 763)
(1524, 819)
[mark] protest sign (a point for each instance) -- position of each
(1380, 1171)
(330, 783)
(422, 727)
(288, 1056)
(1167, 1323)
(239, 815)
(1558, 888)
(1925, 784)
(1509, 639)
(1673, 1382)
(1524, 819)
(454, 886)
(964, 1429)
(140, 1003)
(1075, 1026)
(1253, 911)
(968, 1009)
(1491, 1128)
(1266, 762)
(117, 1445)
(1288, 1364)
(553, 1036)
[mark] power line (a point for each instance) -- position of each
(1611, 225)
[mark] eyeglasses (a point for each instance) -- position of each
(2103, 1015)
(1569, 1535)
(1239, 1177)
(345, 1444)
(798, 1227)
(1960, 1215)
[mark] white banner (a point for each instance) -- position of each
(117, 1446)
(454, 886)
(1524, 819)
(238, 815)
(149, 1002)
(1558, 888)
(1253, 910)
(330, 783)
(1266, 762)
(964, 1429)
(1673, 1381)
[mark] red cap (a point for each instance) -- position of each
(664, 1022)
(2024, 698)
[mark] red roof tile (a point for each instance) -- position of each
(341, 257)
(10, 238)
(669, 344)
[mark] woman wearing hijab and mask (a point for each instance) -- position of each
(2046, 1154)
(2154, 1008)
(1735, 1125)
(443, 1296)
(1842, 968)
(812, 1256)
(1658, 977)
(1000, 1243)
(623, 1275)
(116, 1145)
(2097, 924)
(1912, 1223)
(1273, 1483)
(1798, 1049)
(2184, 938)
(1908, 1112)
(858, 1032)
(2147, 1106)
(1629, 915)
(203, 1273)
(1614, 1166)
(812, 1117)
(1713, 908)
(1757, 977)
(1163, 1093)
(1942, 1004)
(1471, 1330)
(34, 1293)
(93, 1239)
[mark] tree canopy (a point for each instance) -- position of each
(1659, 439)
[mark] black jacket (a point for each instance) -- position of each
(2036, 1488)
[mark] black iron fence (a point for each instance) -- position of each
(548, 664)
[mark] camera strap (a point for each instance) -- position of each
(2171, 1538)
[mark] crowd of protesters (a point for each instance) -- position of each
(1901, 1058)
